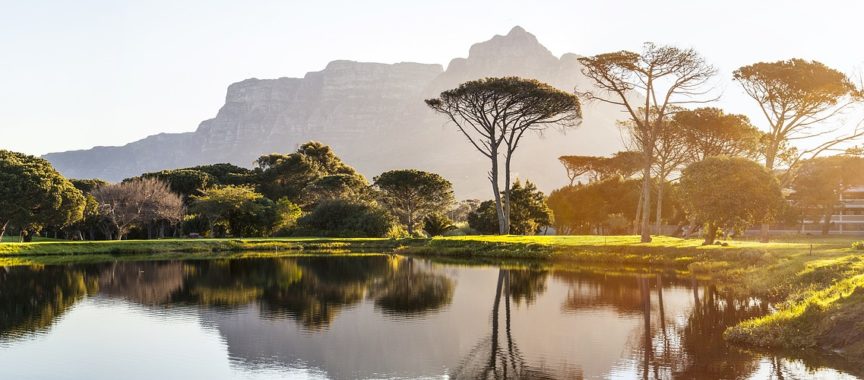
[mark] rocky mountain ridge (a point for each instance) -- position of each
(374, 117)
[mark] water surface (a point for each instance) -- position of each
(373, 317)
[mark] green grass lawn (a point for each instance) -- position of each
(16, 239)
(791, 241)
(662, 250)
(161, 246)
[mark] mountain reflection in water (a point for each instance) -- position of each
(379, 316)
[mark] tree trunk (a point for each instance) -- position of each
(645, 295)
(493, 177)
(410, 221)
(769, 165)
(495, 312)
(645, 223)
(3, 230)
(764, 231)
(658, 217)
(638, 216)
(710, 233)
(507, 194)
(826, 220)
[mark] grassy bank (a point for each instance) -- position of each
(822, 309)
(627, 250)
(167, 246)
(816, 282)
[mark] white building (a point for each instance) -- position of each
(848, 216)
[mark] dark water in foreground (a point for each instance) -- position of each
(369, 317)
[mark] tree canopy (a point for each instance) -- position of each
(186, 182)
(820, 182)
(650, 86)
(412, 195)
(494, 114)
(226, 174)
(335, 186)
(530, 212)
(709, 131)
(87, 185)
(342, 217)
(33, 194)
(137, 202)
(730, 193)
(243, 211)
(796, 97)
(603, 207)
(287, 175)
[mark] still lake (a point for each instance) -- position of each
(377, 316)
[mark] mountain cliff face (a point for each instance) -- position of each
(374, 117)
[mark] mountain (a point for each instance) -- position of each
(374, 116)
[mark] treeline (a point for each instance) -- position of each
(717, 187)
(701, 169)
(719, 172)
(310, 192)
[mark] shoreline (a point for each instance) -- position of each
(817, 283)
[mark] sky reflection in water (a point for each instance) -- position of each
(371, 317)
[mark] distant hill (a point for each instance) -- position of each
(374, 117)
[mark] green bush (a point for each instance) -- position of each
(195, 223)
(528, 213)
(396, 231)
(484, 219)
(342, 218)
(437, 224)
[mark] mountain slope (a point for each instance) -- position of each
(374, 116)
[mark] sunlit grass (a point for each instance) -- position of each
(187, 245)
(15, 239)
(820, 317)
(793, 241)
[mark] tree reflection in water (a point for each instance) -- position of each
(666, 347)
(493, 359)
(145, 283)
(684, 343)
(310, 290)
(313, 290)
(32, 298)
(408, 291)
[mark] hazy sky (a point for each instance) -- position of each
(74, 74)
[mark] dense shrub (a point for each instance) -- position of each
(484, 219)
(527, 215)
(345, 218)
(244, 211)
(437, 224)
(729, 193)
